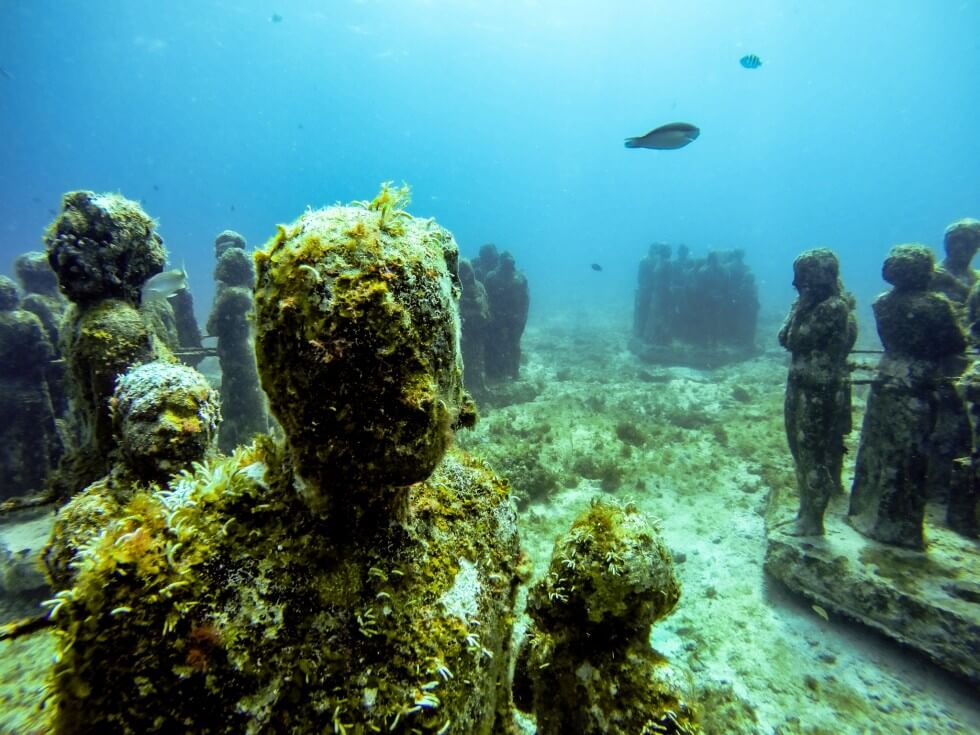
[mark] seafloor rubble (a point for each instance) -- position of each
(705, 452)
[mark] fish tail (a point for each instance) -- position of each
(632, 143)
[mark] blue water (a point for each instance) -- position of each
(861, 129)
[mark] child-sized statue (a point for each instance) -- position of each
(586, 666)
(360, 578)
(819, 333)
(165, 417)
(914, 385)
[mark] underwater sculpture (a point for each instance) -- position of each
(28, 434)
(586, 666)
(474, 316)
(963, 500)
(102, 247)
(41, 296)
(510, 299)
(868, 566)
(694, 311)
(165, 418)
(359, 578)
(188, 330)
(819, 332)
(652, 309)
(914, 386)
(486, 260)
(494, 308)
(955, 277)
(231, 322)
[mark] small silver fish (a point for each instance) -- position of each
(666, 137)
(164, 285)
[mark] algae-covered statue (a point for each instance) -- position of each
(41, 296)
(509, 297)
(102, 247)
(28, 434)
(474, 316)
(955, 277)
(819, 332)
(165, 417)
(358, 578)
(231, 322)
(915, 386)
(586, 666)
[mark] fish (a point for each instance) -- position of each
(276, 18)
(5, 74)
(666, 137)
(750, 61)
(596, 267)
(164, 285)
(821, 612)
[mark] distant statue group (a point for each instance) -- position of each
(919, 437)
(493, 310)
(694, 311)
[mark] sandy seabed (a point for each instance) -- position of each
(704, 452)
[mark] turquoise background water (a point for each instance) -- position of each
(861, 129)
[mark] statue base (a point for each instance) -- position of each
(929, 601)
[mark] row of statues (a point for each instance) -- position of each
(105, 298)
(82, 315)
(919, 437)
(358, 573)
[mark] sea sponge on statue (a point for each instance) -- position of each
(356, 313)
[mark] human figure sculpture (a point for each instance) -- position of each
(486, 260)
(230, 321)
(914, 384)
(694, 311)
(29, 443)
(474, 315)
(955, 277)
(41, 296)
(962, 506)
(651, 309)
(165, 418)
(819, 332)
(510, 299)
(358, 576)
(102, 247)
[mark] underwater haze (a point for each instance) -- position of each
(860, 130)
